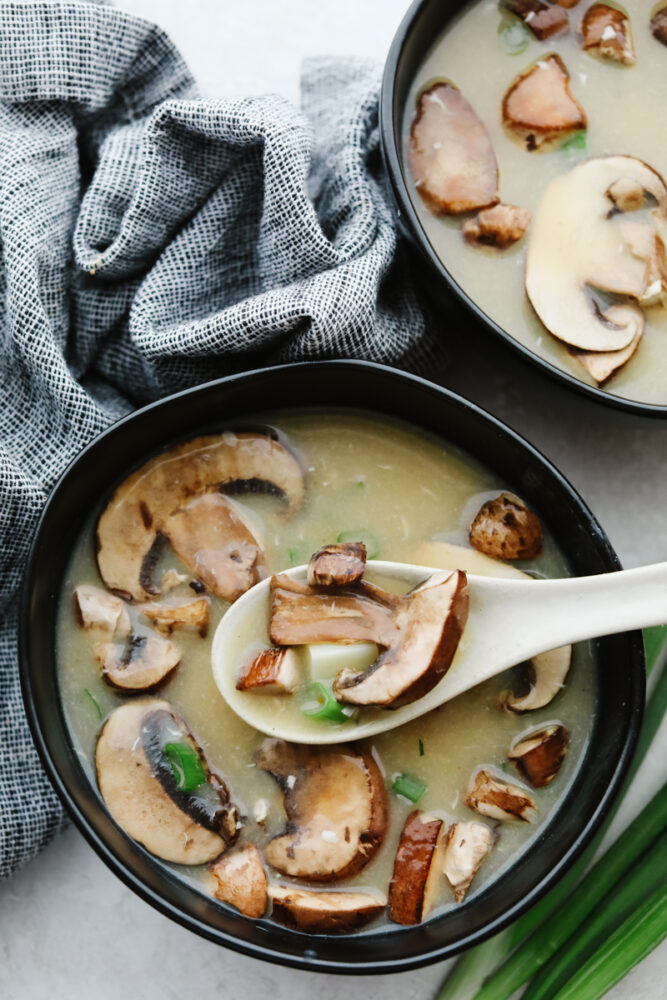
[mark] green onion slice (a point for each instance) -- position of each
(367, 537)
(409, 788)
(577, 141)
(95, 703)
(421, 748)
(186, 766)
(513, 36)
(319, 703)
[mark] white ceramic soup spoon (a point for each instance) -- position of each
(509, 621)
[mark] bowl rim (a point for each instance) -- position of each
(410, 224)
(191, 921)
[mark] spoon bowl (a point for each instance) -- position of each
(510, 621)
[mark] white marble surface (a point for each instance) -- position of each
(68, 928)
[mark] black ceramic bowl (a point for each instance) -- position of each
(422, 24)
(364, 386)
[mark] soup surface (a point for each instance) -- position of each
(399, 488)
(626, 108)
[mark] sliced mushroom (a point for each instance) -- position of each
(505, 528)
(466, 847)
(606, 32)
(568, 3)
(491, 796)
(601, 365)
(140, 665)
(336, 805)
(627, 195)
(417, 869)
(338, 565)
(241, 881)
(101, 612)
(273, 671)
(177, 495)
(659, 25)
(329, 912)
(450, 153)
(546, 677)
(137, 799)
(539, 108)
(540, 753)
(544, 19)
(580, 242)
(428, 628)
(499, 227)
(188, 615)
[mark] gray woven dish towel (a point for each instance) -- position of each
(152, 240)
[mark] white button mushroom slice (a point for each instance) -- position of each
(140, 664)
(272, 671)
(428, 628)
(544, 19)
(539, 108)
(548, 671)
(606, 32)
(576, 246)
(627, 195)
(339, 790)
(166, 618)
(418, 866)
(329, 912)
(450, 153)
(539, 753)
(241, 881)
(499, 227)
(601, 365)
(137, 800)
(498, 799)
(659, 25)
(101, 612)
(140, 513)
(466, 847)
(505, 528)
(338, 565)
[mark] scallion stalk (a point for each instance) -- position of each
(185, 765)
(410, 788)
(478, 964)
(319, 703)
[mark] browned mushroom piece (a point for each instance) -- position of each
(178, 496)
(141, 793)
(505, 528)
(498, 799)
(273, 671)
(659, 25)
(539, 108)
(499, 227)
(450, 153)
(417, 869)
(545, 676)
(568, 4)
(101, 613)
(466, 846)
(336, 805)
(419, 632)
(544, 19)
(167, 617)
(139, 665)
(540, 753)
(241, 881)
(328, 912)
(606, 32)
(338, 565)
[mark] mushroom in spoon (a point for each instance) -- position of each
(510, 621)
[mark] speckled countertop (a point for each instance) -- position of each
(68, 927)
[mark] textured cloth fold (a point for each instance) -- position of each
(152, 240)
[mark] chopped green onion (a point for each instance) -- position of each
(513, 36)
(409, 788)
(367, 537)
(320, 704)
(636, 938)
(299, 554)
(421, 749)
(186, 766)
(578, 141)
(95, 702)
(480, 964)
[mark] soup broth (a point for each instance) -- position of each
(364, 475)
(626, 108)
